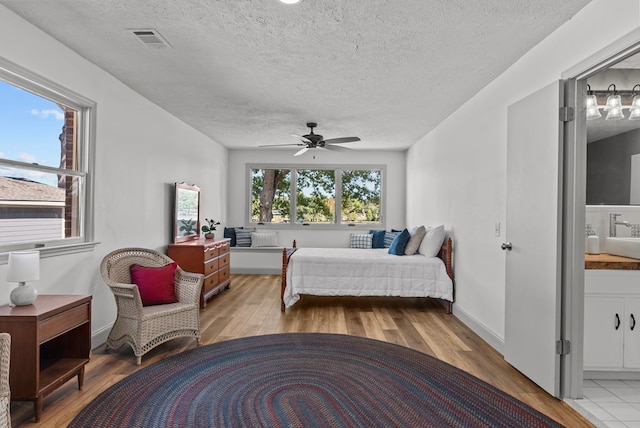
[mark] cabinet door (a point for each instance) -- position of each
(603, 332)
(632, 333)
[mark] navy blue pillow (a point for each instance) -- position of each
(378, 238)
(399, 243)
(230, 232)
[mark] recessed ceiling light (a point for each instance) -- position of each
(290, 1)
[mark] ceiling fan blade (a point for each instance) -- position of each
(337, 148)
(341, 140)
(301, 151)
(301, 138)
(280, 145)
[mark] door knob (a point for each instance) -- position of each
(506, 246)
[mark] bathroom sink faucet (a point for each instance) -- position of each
(613, 222)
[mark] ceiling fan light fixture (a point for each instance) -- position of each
(289, 1)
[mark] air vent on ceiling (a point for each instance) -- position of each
(150, 38)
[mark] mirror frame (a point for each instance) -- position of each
(179, 234)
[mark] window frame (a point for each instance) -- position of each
(338, 168)
(86, 120)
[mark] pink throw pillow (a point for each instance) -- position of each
(156, 284)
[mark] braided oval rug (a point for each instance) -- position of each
(305, 380)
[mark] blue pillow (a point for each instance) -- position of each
(399, 243)
(230, 232)
(389, 237)
(378, 238)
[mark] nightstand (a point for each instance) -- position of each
(50, 344)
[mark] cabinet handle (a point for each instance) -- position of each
(633, 322)
(617, 321)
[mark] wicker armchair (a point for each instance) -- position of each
(145, 327)
(5, 393)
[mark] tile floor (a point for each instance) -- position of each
(611, 403)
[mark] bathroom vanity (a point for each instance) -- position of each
(612, 316)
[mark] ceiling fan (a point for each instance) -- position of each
(314, 141)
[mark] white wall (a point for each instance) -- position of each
(141, 150)
(238, 190)
(460, 167)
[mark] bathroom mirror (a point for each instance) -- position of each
(613, 146)
(186, 225)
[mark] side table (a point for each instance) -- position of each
(50, 344)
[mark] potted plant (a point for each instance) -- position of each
(209, 228)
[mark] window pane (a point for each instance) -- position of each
(270, 195)
(315, 199)
(361, 196)
(36, 130)
(38, 206)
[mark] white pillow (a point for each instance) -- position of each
(432, 242)
(417, 236)
(264, 239)
(361, 240)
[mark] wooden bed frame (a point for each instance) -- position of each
(446, 254)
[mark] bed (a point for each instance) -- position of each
(365, 272)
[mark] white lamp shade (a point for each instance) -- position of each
(613, 102)
(593, 112)
(635, 113)
(24, 266)
(615, 114)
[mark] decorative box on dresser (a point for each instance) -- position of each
(206, 256)
(50, 344)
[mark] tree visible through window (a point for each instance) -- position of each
(318, 195)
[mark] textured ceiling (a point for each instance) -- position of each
(251, 72)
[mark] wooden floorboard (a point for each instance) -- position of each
(252, 307)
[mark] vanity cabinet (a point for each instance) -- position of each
(612, 320)
(210, 257)
(612, 333)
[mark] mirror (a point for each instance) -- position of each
(612, 145)
(186, 225)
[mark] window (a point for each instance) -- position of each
(44, 162)
(323, 196)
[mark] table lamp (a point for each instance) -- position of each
(23, 266)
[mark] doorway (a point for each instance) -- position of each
(621, 62)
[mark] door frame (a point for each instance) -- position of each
(574, 205)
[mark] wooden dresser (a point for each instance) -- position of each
(207, 256)
(50, 344)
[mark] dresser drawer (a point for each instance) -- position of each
(223, 274)
(225, 248)
(210, 282)
(211, 266)
(223, 260)
(210, 253)
(58, 324)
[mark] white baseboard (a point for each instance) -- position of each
(257, 271)
(611, 374)
(487, 335)
(100, 336)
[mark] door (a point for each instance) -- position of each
(603, 327)
(631, 325)
(533, 265)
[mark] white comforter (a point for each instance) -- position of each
(358, 272)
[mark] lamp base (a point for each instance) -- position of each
(23, 295)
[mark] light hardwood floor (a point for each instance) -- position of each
(252, 307)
